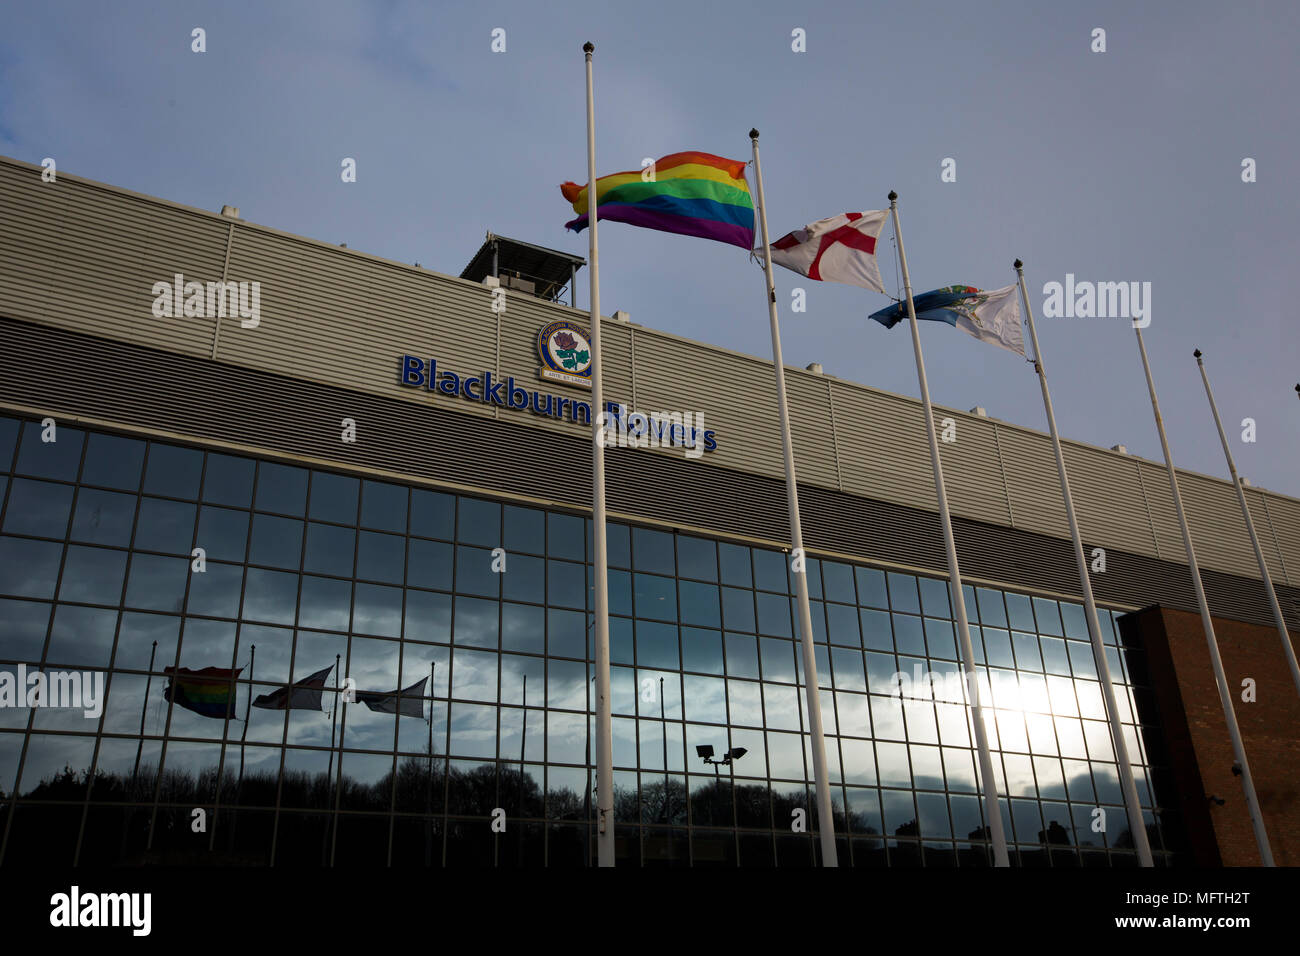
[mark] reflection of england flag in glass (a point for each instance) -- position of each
(306, 694)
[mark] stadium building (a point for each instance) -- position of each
(298, 537)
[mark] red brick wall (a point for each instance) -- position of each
(1196, 733)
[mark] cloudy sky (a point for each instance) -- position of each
(1117, 166)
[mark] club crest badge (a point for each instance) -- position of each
(566, 354)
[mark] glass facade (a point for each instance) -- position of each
(481, 611)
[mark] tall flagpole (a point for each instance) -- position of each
(604, 722)
(988, 782)
(1136, 823)
(1287, 649)
(1225, 694)
(825, 819)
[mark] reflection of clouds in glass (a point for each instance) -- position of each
(474, 675)
(473, 730)
(566, 738)
(745, 701)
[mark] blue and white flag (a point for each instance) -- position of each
(992, 317)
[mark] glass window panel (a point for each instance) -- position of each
(892, 765)
(702, 650)
(173, 471)
(383, 506)
(997, 648)
(566, 536)
(333, 497)
(777, 658)
(909, 635)
(477, 622)
(1076, 625)
(428, 616)
(1042, 737)
(523, 628)
(276, 542)
(618, 542)
(1090, 700)
(903, 594)
(847, 664)
(941, 639)
(706, 699)
(167, 526)
(656, 597)
(742, 655)
(871, 587)
(622, 644)
(206, 644)
(223, 533)
(433, 514)
(57, 459)
(157, 583)
(652, 551)
(959, 769)
(525, 530)
(697, 558)
(429, 564)
(1061, 692)
(38, 508)
(93, 575)
(877, 633)
(567, 633)
(514, 669)
(326, 603)
(330, 549)
(854, 712)
(1082, 660)
(1051, 784)
(24, 626)
(1097, 734)
(215, 592)
(733, 560)
(81, 636)
(967, 821)
(1055, 658)
(566, 584)
(842, 625)
(473, 674)
(1020, 612)
(620, 592)
(474, 574)
(566, 684)
(773, 614)
(880, 673)
(934, 597)
(785, 760)
(699, 604)
(525, 579)
(932, 817)
(282, 489)
(745, 703)
(135, 640)
(1027, 654)
(1048, 616)
(738, 609)
(473, 731)
(887, 718)
(270, 596)
(1069, 734)
(992, 610)
(1078, 781)
(656, 645)
(921, 725)
(770, 571)
(228, 480)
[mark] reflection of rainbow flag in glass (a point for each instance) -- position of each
(209, 692)
(692, 194)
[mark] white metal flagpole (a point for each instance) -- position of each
(825, 820)
(1287, 649)
(988, 782)
(1225, 694)
(1136, 823)
(604, 723)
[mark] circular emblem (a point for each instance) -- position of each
(565, 350)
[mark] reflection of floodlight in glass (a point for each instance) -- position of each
(736, 753)
(705, 751)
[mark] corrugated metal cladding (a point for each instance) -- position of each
(82, 256)
(64, 373)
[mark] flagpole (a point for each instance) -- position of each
(1287, 649)
(825, 818)
(1216, 662)
(604, 721)
(1136, 823)
(987, 779)
(148, 683)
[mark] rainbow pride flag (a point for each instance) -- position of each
(209, 692)
(693, 194)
